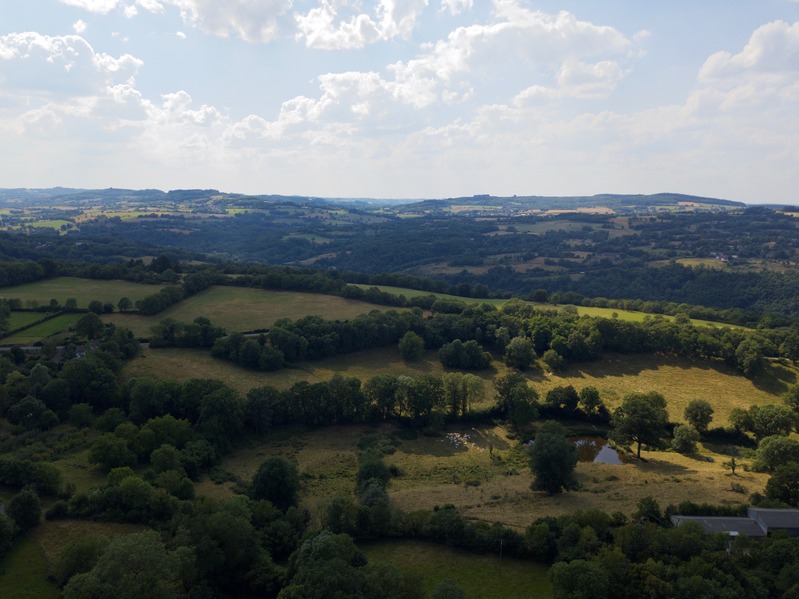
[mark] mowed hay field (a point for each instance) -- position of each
(679, 380)
(243, 309)
(457, 467)
(83, 290)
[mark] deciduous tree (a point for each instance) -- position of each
(553, 459)
(640, 419)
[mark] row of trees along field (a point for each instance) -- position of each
(158, 436)
(466, 338)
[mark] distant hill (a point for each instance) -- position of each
(611, 201)
(606, 200)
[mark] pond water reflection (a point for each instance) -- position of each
(596, 450)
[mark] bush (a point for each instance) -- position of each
(685, 438)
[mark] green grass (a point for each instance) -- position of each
(83, 290)
(76, 469)
(409, 293)
(242, 309)
(628, 315)
(51, 224)
(45, 329)
(481, 576)
(22, 319)
(183, 364)
(23, 572)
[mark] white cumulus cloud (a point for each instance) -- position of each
(102, 7)
(339, 25)
(456, 7)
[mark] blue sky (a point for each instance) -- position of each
(403, 98)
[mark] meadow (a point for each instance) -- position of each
(83, 290)
(244, 309)
(481, 576)
(458, 467)
(680, 380)
(627, 315)
(42, 330)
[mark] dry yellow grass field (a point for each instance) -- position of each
(680, 380)
(458, 468)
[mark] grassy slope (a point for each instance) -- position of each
(83, 290)
(45, 329)
(182, 364)
(243, 309)
(436, 470)
(680, 380)
(628, 315)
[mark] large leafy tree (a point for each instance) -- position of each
(553, 459)
(640, 419)
(277, 481)
(135, 565)
(699, 413)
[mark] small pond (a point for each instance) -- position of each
(593, 449)
(596, 450)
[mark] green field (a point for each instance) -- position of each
(183, 364)
(243, 309)
(481, 576)
(23, 319)
(42, 330)
(83, 290)
(23, 572)
(628, 315)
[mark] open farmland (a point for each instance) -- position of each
(40, 331)
(457, 468)
(243, 309)
(183, 364)
(680, 380)
(628, 315)
(83, 290)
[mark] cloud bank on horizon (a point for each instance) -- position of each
(403, 98)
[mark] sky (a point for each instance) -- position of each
(403, 98)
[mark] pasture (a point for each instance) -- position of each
(22, 319)
(481, 576)
(627, 315)
(457, 467)
(183, 364)
(42, 330)
(244, 309)
(680, 380)
(83, 290)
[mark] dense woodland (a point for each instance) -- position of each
(153, 439)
